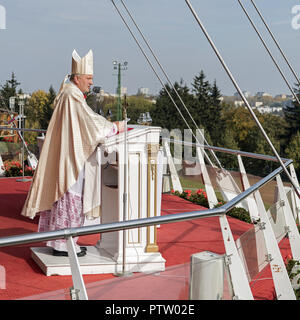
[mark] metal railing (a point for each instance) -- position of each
(137, 223)
(229, 151)
(23, 129)
(69, 233)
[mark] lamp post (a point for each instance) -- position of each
(119, 66)
(21, 103)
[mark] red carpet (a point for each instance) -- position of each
(177, 241)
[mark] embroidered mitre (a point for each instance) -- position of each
(82, 65)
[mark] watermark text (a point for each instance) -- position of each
(296, 18)
(2, 17)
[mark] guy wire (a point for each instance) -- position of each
(242, 96)
(168, 78)
(276, 42)
(268, 50)
(163, 85)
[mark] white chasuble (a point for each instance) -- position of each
(73, 134)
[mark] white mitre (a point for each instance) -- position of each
(82, 65)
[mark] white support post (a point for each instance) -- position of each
(293, 233)
(229, 188)
(159, 179)
(253, 211)
(166, 185)
(297, 200)
(78, 283)
(210, 192)
(174, 176)
(2, 170)
(282, 283)
(240, 284)
(290, 193)
(293, 174)
(238, 275)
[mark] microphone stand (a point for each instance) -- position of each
(21, 135)
(125, 273)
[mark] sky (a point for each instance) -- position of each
(40, 36)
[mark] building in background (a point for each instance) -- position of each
(143, 91)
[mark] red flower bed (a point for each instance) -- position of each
(14, 169)
(199, 196)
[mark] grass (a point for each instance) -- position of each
(267, 191)
(192, 184)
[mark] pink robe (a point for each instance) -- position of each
(67, 212)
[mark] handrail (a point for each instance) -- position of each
(230, 151)
(137, 223)
(23, 129)
(194, 144)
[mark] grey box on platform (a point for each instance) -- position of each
(207, 276)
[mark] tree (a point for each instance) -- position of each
(36, 104)
(293, 151)
(136, 106)
(215, 95)
(228, 141)
(217, 126)
(9, 89)
(201, 88)
(166, 114)
(207, 108)
(292, 117)
(34, 114)
(91, 100)
(249, 138)
(47, 109)
(275, 127)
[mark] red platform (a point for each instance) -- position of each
(177, 241)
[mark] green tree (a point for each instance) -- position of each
(47, 110)
(35, 106)
(207, 108)
(215, 95)
(166, 115)
(248, 137)
(136, 106)
(228, 141)
(293, 151)
(91, 101)
(292, 117)
(9, 89)
(34, 115)
(201, 88)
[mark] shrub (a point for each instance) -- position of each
(290, 264)
(7, 139)
(14, 169)
(240, 213)
(199, 197)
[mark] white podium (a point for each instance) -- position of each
(144, 188)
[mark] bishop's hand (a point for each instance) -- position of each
(120, 125)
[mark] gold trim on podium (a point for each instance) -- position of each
(152, 176)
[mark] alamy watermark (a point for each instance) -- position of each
(182, 146)
(2, 278)
(296, 19)
(2, 17)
